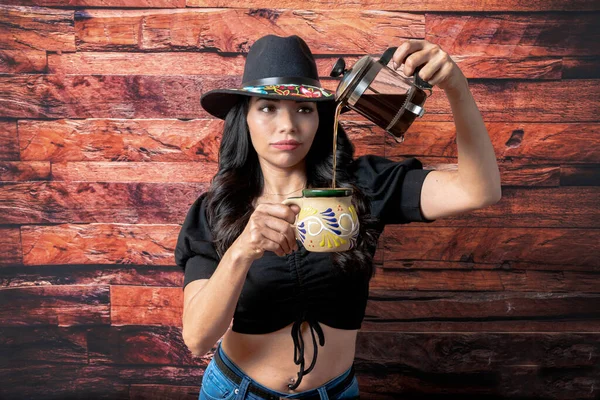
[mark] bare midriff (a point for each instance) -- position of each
(269, 358)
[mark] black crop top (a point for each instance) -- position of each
(305, 286)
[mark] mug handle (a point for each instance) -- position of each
(420, 83)
(294, 200)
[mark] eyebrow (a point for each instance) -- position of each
(278, 100)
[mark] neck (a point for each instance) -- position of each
(283, 182)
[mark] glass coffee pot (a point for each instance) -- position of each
(385, 97)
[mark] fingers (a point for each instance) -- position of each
(413, 53)
(280, 211)
(404, 50)
(273, 221)
(281, 232)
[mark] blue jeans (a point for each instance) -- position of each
(216, 385)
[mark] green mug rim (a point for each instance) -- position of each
(327, 192)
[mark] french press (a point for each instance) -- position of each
(390, 100)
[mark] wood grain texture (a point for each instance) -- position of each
(39, 28)
(141, 96)
(104, 146)
(406, 5)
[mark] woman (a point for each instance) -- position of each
(237, 245)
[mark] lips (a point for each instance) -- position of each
(286, 144)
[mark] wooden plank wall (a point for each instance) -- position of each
(104, 146)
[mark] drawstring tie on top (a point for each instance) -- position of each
(299, 346)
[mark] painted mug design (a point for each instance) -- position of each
(327, 221)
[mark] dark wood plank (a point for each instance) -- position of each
(481, 311)
(10, 246)
(140, 345)
(38, 28)
(9, 141)
(24, 171)
(43, 344)
(22, 61)
(581, 68)
(29, 380)
(514, 34)
(472, 365)
(76, 202)
(55, 305)
(91, 274)
(493, 245)
(580, 175)
(469, 280)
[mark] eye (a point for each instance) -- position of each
(309, 110)
(263, 107)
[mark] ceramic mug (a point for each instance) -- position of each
(327, 221)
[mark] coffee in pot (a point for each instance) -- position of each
(389, 99)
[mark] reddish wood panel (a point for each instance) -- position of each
(186, 63)
(112, 96)
(101, 3)
(27, 28)
(99, 244)
(523, 142)
(130, 140)
(76, 202)
(22, 61)
(427, 5)
(195, 141)
(55, 305)
(136, 305)
(204, 29)
(9, 141)
(132, 171)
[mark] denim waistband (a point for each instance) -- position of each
(328, 385)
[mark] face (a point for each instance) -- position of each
(272, 121)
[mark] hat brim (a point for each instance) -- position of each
(218, 102)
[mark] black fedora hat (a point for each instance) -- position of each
(277, 67)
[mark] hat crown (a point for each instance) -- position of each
(275, 56)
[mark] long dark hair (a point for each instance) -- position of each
(239, 181)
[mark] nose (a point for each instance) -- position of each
(286, 119)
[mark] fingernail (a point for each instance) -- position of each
(394, 64)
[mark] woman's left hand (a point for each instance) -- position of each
(439, 69)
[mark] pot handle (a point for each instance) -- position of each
(420, 83)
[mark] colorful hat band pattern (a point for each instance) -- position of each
(288, 90)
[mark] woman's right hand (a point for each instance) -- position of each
(269, 228)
